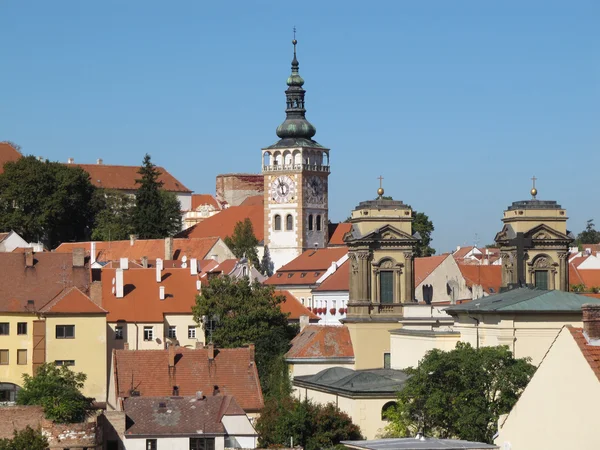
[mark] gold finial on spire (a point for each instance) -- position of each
(294, 41)
(533, 189)
(380, 191)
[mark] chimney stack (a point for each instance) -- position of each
(145, 262)
(251, 349)
(119, 283)
(158, 270)
(124, 263)
(96, 292)
(211, 351)
(198, 285)
(161, 292)
(92, 253)
(132, 238)
(78, 257)
(171, 349)
(28, 257)
(304, 320)
(168, 248)
(194, 266)
(99, 161)
(591, 320)
(70, 160)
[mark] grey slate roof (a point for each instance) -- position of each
(417, 444)
(525, 300)
(343, 380)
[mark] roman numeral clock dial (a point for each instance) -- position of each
(283, 189)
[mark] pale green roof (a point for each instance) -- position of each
(525, 300)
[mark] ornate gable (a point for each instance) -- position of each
(544, 234)
(384, 233)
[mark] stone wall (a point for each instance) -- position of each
(234, 188)
(72, 436)
(18, 418)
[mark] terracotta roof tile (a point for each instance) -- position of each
(574, 276)
(50, 273)
(322, 341)
(338, 280)
(123, 177)
(72, 300)
(254, 200)
(292, 306)
(222, 224)
(151, 248)
(3, 235)
(487, 276)
(141, 301)
(148, 372)
(589, 277)
(307, 268)
(426, 265)
(7, 154)
(225, 267)
(337, 232)
(590, 352)
(462, 251)
(204, 199)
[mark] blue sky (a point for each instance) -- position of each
(456, 104)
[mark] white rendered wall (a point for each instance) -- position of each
(185, 199)
(327, 300)
(240, 428)
(168, 443)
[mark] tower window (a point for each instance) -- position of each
(386, 287)
(318, 223)
(310, 222)
(289, 222)
(277, 224)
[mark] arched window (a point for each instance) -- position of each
(310, 222)
(289, 222)
(267, 159)
(384, 410)
(318, 223)
(277, 222)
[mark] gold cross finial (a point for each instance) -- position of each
(380, 191)
(533, 189)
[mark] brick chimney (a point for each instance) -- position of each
(145, 262)
(211, 351)
(78, 257)
(168, 248)
(96, 292)
(171, 350)
(29, 257)
(251, 351)
(591, 320)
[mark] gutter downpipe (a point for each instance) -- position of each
(477, 328)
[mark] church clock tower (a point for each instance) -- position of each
(295, 169)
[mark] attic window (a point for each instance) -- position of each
(303, 274)
(491, 290)
(162, 405)
(317, 274)
(278, 275)
(290, 275)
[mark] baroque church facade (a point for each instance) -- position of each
(295, 171)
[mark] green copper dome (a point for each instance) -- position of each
(295, 80)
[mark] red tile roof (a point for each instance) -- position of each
(141, 301)
(462, 251)
(307, 268)
(151, 248)
(204, 199)
(489, 277)
(292, 306)
(322, 341)
(7, 154)
(222, 224)
(254, 200)
(590, 352)
(123, 177)
(589, 277)
(574, 276)
(70, 301)
(147, 371)
(338, 280)
(426, 265)
(337, 232)
(50, 273)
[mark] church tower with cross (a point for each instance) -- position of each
(296, 171)
(534, 244)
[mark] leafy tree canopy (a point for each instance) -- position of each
(266, 265)
(590, 235)
(157, 213)
(58, 391)
(46, 201)
(28, 439)
(311, 426)
(114, 220)
(243, 241)
(240, 313)
(460, 393)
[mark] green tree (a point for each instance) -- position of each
(590, 235)
(157, 213)
(243, 241)
(460, 393)
(114, 217)
(266, 265)
(58, 391)
(26, 439)
(311, 426)
(240, 313)
(46, 201)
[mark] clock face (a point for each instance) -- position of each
(315, 190)
(283, 189)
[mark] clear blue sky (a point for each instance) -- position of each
(457, 104)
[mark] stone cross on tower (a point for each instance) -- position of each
(521, 243)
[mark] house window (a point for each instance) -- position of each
(310, 222)
(277, 222)
(172, 332)
(318, 224)
(289, 222)
(148, 333)
(541, 279)
(119, 332)
(4, 328)
(3, 357)
(202, 443)
(22, 357)
(150, 444)
(387, 361)
(64, 362)
(8, 392)
(65, 331)
(191, 332)
(386, 286)
(22, 328)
